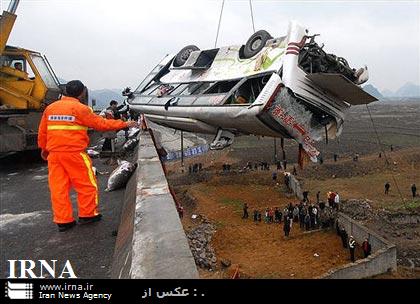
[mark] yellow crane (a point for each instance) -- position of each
(27, 85)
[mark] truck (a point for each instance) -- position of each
(27, 85)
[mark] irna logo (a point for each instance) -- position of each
(24, 269)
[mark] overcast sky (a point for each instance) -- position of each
(113, 44)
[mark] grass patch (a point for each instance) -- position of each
(219, 224)
(235, 203)
(409, 205)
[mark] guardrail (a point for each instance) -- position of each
(151, 241)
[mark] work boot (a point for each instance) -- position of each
(66, 226)
(90, 219)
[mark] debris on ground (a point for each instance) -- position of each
(225, 263)
(199, 240)
(92, 153)
(120, 176)
(130, 144)
(358, 209)
(133, 132)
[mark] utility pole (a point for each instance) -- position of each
(275, 150)
(182, 149)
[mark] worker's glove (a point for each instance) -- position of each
(44, 154)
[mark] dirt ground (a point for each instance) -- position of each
(259, 249)
(362, 180)
(395, 216)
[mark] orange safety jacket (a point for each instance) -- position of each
(64, 126)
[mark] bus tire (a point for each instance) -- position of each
(256, 43)
(183, 55)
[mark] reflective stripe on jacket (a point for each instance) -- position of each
(64, 126)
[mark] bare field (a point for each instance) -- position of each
(260, 250)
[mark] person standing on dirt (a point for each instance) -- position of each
(387, 186)
(245, 209)
(287, 179)
(335, 157)
(307, 221)
(367, 248)
(181, 212)
(285, 213)
(344, 236)
(255, 215)
(314, 223)
(271, 214)
(352, 247)
(276, 215)
(414, 190)
(274, 176)
(286, 226)
(294, 171)
(266, 216)
(336, 201)
(296, 214)
(302, 214)
(305, 196)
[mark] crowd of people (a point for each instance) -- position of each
(309, 216)
(195, 168)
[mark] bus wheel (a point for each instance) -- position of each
(184, 54)
(256, 43)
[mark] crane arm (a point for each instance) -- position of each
(7, 20)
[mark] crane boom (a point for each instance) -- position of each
(7, 20)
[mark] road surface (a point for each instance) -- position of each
(26, 228)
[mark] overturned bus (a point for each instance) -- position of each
(281, 87)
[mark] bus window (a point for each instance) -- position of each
(192, 87)
(201, 89)
(149, 90)
(248, 92)
(222, 87)
(179, 89)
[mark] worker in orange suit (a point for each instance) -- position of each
(63, 139)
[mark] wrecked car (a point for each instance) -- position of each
(285, 87)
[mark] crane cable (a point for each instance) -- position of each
(220, 21)
(252, 15)
(383, 151)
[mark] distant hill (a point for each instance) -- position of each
(104, 96)
(388, 93)
(369, 88)
(408, 90)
